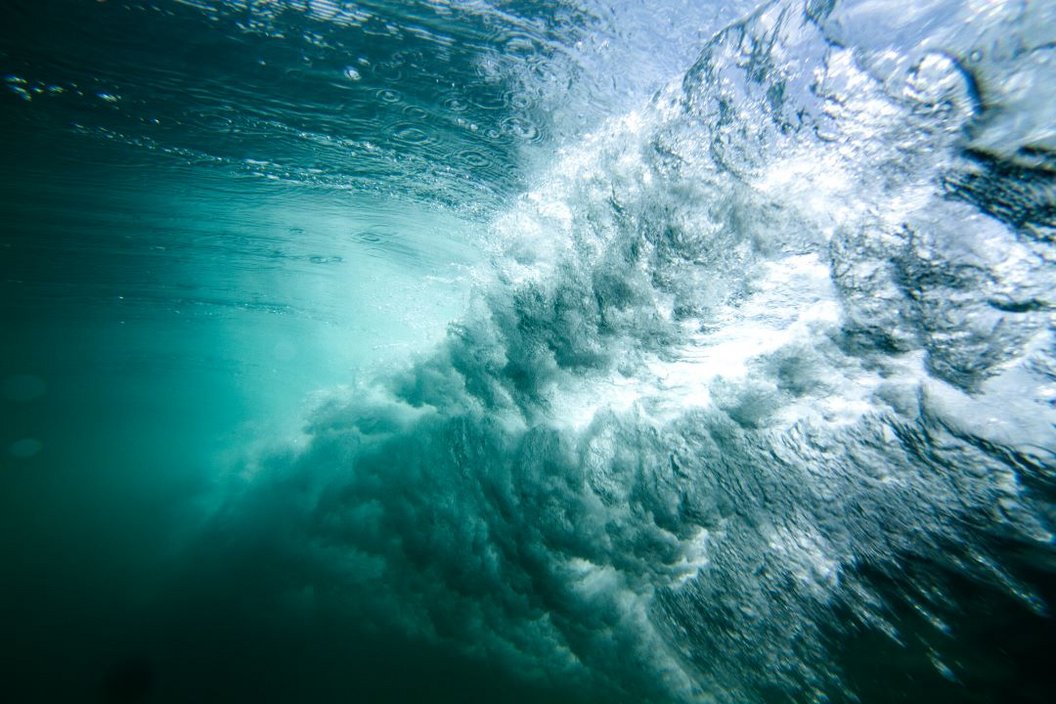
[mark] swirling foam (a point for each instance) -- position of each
(781, 337)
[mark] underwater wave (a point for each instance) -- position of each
(762, 368)
(754, 395)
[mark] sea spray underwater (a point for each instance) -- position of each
(748, 398)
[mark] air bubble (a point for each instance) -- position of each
(456, 104)
(519, 101)
(521, 128)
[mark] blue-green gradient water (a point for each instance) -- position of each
(527, 351)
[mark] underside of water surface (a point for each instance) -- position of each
(527, 351)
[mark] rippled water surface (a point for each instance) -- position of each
(527, 351)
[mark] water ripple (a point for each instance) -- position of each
(409, 134)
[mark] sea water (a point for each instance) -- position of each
(527, 351)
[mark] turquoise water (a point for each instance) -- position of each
(527, 351)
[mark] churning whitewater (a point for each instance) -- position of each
(758, 367)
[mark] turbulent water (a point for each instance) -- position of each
(528, 351)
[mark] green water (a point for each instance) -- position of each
(526, 352)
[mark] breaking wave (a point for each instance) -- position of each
(756, 390)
